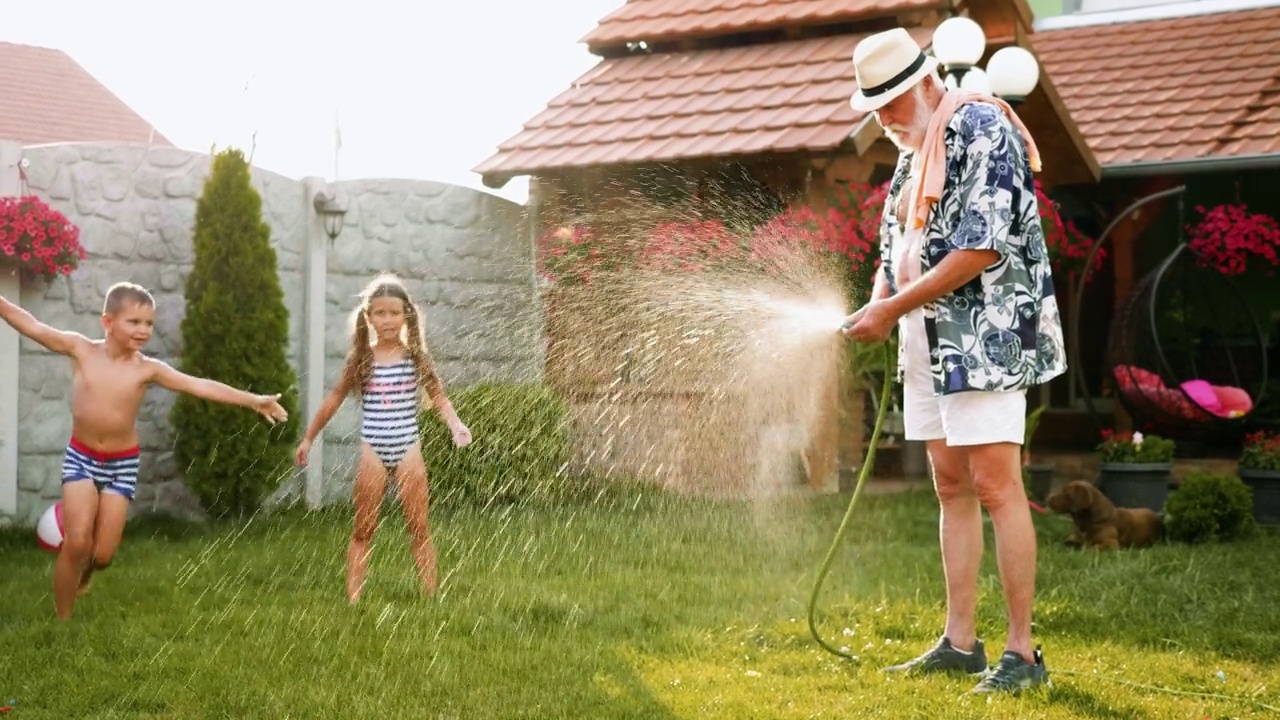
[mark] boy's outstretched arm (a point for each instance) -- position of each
(171, 379)
(59, 341)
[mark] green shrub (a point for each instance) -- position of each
(519, 451)
(1209, 507)
(236, 331)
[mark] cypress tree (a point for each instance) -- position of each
(236, 331)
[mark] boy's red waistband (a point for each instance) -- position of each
(104, 455)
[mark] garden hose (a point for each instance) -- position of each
(863, 473)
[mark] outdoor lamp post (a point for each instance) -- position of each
(1011, 74)
(332, 212)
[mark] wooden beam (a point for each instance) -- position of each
(997, 17)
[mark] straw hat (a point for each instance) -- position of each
(887, 64)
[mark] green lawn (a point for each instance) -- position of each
(652, 608)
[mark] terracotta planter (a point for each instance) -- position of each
(1265, 485)
(1136, 485)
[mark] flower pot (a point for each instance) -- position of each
(1265, 485)
(1040, 481)
(1136, 485)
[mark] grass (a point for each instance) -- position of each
(651, 608)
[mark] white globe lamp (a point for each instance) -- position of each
(958, 43)
(976, 80)
(1013, 73)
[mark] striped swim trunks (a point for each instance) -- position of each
(115, 472)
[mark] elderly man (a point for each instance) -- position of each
(966, 279)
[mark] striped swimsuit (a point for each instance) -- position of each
(115, 472)
(390, 404)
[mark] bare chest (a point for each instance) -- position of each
(98, 379)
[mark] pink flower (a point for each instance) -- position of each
(1228, 235)
(36, 234)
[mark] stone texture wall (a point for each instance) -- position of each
(463, 253)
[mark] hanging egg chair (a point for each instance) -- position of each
(1187, 355)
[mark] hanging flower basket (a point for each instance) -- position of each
(1232, 239)
(39, 239)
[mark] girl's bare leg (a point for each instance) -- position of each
(370, 486)
(414, 495)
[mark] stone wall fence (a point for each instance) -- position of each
(464, 254)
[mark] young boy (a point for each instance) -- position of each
(99, 470)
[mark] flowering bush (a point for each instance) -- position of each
(688, 246)
(567, 254)
(1135, 448)
(42, 240)
(848, 225)
(1068, 247)
(1228, 234)
(1261, 452)
(846, 229)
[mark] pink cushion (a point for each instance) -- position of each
(1202, 394)
(1221, 400)
(1235, 401)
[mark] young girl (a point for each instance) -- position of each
(388, 369)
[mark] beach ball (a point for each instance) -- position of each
(49, 528)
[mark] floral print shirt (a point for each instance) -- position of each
(1002, 331)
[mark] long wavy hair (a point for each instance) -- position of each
(359, 365)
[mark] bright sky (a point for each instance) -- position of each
(421, 90)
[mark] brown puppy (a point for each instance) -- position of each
(1102, 525)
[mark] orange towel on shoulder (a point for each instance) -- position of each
(931, 165)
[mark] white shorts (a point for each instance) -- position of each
(967, 418)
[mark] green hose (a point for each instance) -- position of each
(863, 473)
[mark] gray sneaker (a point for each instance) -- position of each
(1013, 674)
(945, 658)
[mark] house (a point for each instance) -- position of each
(747, 102)
(47, 97)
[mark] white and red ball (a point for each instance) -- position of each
(49, 528)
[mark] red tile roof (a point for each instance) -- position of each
(653, 20)
(46, 97)
(778, 97)
(1172, 89)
